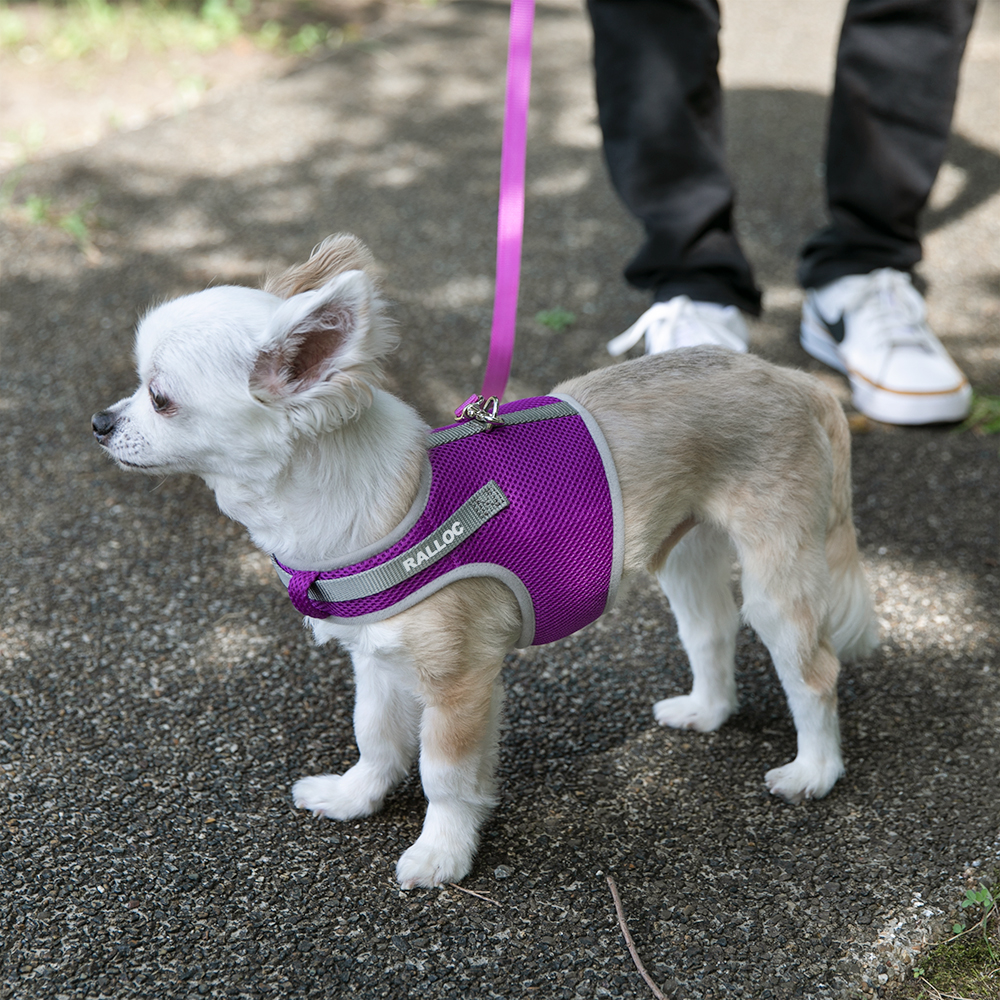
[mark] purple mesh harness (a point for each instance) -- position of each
(534, 503)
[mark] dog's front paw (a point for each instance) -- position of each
(799, 780)
(428, 864)
(338, 796)
(688, 712)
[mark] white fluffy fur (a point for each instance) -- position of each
(275, 400)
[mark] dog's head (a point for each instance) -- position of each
(231, 377)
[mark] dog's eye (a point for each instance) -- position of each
(160, 402)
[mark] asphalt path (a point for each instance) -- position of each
(158, 696)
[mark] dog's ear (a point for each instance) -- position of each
(335, 255)
(321, 350)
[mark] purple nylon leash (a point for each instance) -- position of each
(510, 222)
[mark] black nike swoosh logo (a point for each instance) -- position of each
(835, 329)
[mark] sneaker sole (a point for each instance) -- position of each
(879, 403)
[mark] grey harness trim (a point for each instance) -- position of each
(484, 504)
(546, 412)
(615, 488)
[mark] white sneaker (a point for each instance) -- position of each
(680, 322)
(872, 327)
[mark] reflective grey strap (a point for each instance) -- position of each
(546, 412)
(484, 504)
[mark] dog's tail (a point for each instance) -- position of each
(853, 629)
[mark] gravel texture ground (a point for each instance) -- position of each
(158, 696)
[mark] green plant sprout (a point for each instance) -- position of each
(557, 319)
(984, 417)
(77, 223)
(981, 897)
(38, 208)
(966, 966)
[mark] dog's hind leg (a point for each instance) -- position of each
(696, 577)
(386, 721)
(785, 600)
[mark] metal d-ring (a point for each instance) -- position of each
(483, 410)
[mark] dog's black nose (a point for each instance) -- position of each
(103, 424)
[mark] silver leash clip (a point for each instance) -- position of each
(483, 410)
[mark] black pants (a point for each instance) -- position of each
(660, 106)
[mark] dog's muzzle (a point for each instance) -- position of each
(103, 424)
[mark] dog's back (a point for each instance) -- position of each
(691, 429)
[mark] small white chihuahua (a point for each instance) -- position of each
(273, 397)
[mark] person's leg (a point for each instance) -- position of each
(894, 92)
(897, 77)
(660, 107)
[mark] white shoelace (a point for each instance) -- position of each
(895, 311)
(680, 322)
(658, 320)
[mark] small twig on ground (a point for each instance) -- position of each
(657, 992)
(936, 994)
(478, 895)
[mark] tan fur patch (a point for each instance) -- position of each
(454, 728)
(821, 670)
(669, 542)
(458, 638)
(333, 256)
